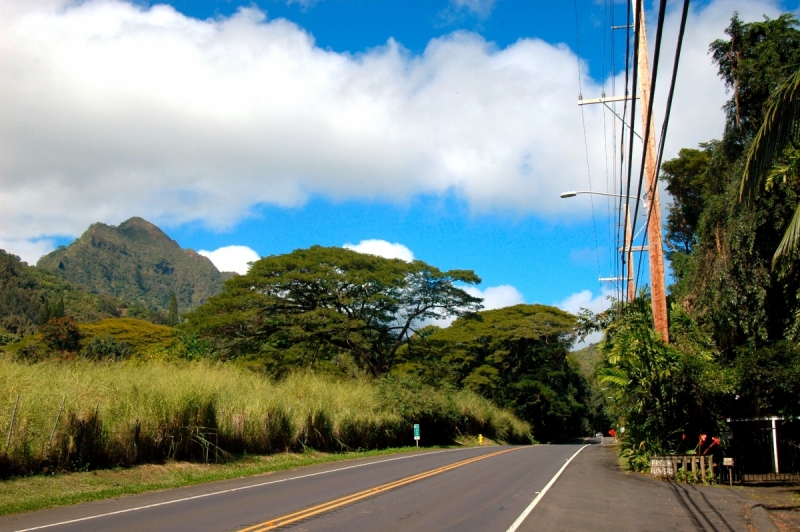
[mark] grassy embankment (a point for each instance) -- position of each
(38, 492)
(128, 413)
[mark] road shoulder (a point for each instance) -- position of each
(594, 494)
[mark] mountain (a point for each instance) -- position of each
(24, 290)
(136, 262)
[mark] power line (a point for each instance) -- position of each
(662, 141)
(637, 18)
(585, 140)
(650, 103)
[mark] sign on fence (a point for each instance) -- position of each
(662, 467)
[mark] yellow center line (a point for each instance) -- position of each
(336, 503)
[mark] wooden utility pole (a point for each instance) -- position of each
(658, 292)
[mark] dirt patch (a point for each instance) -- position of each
(782, 502)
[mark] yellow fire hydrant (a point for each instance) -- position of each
(480, 439)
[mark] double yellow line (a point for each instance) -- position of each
(337, 503)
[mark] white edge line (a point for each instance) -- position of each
(538, 498)
(231, 490)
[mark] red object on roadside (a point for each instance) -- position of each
(714, 441)
(612, 433)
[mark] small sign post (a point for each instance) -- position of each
(416, 433)
(728, 462)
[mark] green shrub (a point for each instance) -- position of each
(139, 335)
(61, 334)
(105, 348)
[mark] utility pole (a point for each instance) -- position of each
(658, 292)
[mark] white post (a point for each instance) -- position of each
(775, 444)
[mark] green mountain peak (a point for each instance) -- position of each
(137, 262)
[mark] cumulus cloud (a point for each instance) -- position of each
(113, 109)
(495, 297)
(482, 8)
(231, 258)
(585, 299)
(27, 250)
(382, 248)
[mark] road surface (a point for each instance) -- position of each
(484, 488)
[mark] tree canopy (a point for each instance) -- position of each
(515, 356)
(314, 304)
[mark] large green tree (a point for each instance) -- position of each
(721, 249)
(754, 59)
(516, 356)
(315, 304)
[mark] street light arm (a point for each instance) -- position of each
(573, 193)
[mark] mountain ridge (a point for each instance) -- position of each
(137, 262)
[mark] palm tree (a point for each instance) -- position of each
(781, 126)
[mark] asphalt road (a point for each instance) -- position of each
(463, 489)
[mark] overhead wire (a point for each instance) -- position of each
(665, 125)
(620, 222)
(609, 189)
(627, 188)
(650, 103)
(585, 139)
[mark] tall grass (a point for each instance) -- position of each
(119, 414)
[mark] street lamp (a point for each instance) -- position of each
(628, 231)
(573, 193)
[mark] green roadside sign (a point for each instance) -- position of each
(416, 431)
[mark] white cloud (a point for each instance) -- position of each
(231, 258)
(382, 248)
(27, 250)
(495, 297)
(481, 8)
(112, 109)
(585, 299)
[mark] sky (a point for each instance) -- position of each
(439, 130)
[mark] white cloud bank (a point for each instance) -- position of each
(495, 297)
(231, 258)
(382, 248)
(112, 109)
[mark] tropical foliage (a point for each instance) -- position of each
(515, 356)
(663, 395)
(735, 313)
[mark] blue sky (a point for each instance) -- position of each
(447, 126)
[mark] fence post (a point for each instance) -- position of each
(703, 468)
(11, 425)
(53, 432)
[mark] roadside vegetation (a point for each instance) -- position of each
(731, 238)
(97, 415)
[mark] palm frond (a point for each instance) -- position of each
(790, 238)
(779, 127)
